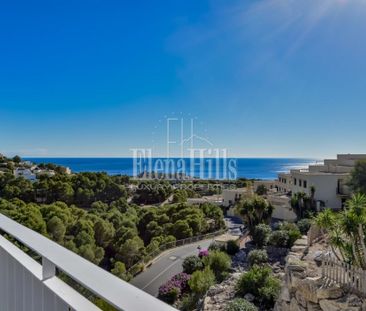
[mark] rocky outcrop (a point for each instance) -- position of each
(304, 289)
(219, 295)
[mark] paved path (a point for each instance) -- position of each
(166, 266)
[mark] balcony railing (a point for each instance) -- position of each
(27, 285)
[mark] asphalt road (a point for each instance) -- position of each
(170, 263)
(165, 267)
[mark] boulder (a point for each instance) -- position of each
(313, 307)
(308, 289)
(332, 292)
(301, 299)
(336, 305)
(294, 305)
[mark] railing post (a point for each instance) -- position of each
(48, 269)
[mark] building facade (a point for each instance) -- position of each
(327, 182)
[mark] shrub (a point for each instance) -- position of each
(240, 304)
(168, 294)
(257, 257)
(293, 232)
(171, 290)
(203, 253)
(261, 235)
(188, 302)
(192, 264)
(219, 263)
(261, 190)
(214, 247)
(304, 225)
(201, 281)
(279, 238)
(259, 282)
(232, 247)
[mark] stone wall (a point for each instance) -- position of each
(303, 287)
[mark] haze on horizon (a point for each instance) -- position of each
(267, 78)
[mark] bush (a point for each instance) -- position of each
(257, 257)
(201, 281)
(293, 232)
(304, 225)
(232, 247)
(279, 238)
(261, 235)
(219, 263)
(171, 290)
(240, 304)
(188, 303)
(216, 247)
(203, 253)
(259, 282)
(192, 264)
(169, 294)
(261, 190)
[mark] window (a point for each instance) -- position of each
(295, 181)
(300, 182)
(305, 184)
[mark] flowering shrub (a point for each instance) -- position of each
(203, 253)
(176, 286)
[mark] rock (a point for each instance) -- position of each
(294, 306)
(249, 297)
(318, 256)
(285, 294)
(301, 299)
(313, 307)
(333, 292)
(308, 289)
(207, 300)
(354, 301)
(302, 242)
(298, 248)
(335, 305)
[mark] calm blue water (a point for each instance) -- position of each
(261, 168)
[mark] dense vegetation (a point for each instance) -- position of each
(89, 214)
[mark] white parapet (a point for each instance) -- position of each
(26, 285)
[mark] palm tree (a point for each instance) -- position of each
(255, 211)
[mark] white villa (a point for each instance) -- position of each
(26, 173)
(231, 196)
(328, 179)
(32, 173)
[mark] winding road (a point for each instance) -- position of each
(169, 263)
(166, 266)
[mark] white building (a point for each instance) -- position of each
(231, 196)
(269, 184)
(329, 180)
(25, 173)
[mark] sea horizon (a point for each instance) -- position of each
(251, 168)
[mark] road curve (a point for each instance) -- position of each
(166, 266)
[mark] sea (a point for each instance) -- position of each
(252, 168)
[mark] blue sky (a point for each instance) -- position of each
(266, 78)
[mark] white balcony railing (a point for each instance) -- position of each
(25, 285)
